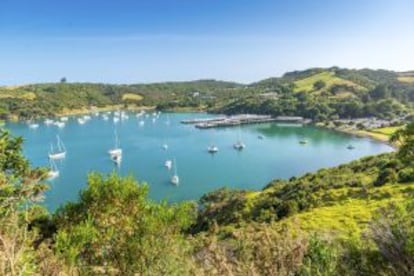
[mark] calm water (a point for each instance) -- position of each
(278, 155)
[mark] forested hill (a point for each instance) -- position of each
(318, 93)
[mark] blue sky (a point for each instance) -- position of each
(132, 41)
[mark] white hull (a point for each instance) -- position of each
(168, 164)
(56, 156)
(52, 175)
(212, 149)
(115, 152)
(175, 180)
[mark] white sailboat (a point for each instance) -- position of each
(168, 164)
(175, 179)
(64, 119)
(239, 145)
(32, 124)
(48, 122)
(60, 124)
(81, 121)
(60, 151)
(116, 152)
(212, 149)
(53, 171)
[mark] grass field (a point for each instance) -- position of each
(350, 217)
(25, 96)
(132, 97)
(329, 78)
(406, 79)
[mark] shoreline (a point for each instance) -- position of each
(363, 134)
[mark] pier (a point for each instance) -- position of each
(242, 119)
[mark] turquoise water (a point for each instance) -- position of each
(278, 155)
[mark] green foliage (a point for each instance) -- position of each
(320, 258)
(405, 137)
(318, 85)
(393, 233)
(114, 227)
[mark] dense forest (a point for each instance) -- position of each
(320, 94)
(355, 219)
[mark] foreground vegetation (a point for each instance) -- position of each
(355, 219)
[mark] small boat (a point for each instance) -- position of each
(165, 146)
(168, 164)
(124, 116)
(350, 147)
(33, 125)
(303, 141)
(48, 122)
(60, 153)
(154, 120)
(64, 119)
(260, 137)
(175, 179)
(116, 120)
(60, 124)
(141, 123)
(105, 117)
(117, 159)
(239, 145)
(116, 151)
(81, 121)
(53, 172)
(87, 117)
(212, 149)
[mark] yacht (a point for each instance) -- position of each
(116, 151)
(175, 179)
(53, 171)
(212, 149)
(59, 152)
(168, 164)
(81, 121)
(239, 145)
(48, 122)
(350, 147)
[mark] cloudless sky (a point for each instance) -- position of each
(134, 41)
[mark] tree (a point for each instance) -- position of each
(405, 137)
(20, 188)
(114, 227)
(319, 85)
(63, 80)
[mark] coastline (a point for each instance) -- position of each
(82, 111)
(364, 134)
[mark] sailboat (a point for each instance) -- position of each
(212, 149)
(48, 122)
(53, 172)
(32, 124)
(165, 146)
(116, 152)
(239, 145)
(175, 179)
(168, 164)
(60, 153)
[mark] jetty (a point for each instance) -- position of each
(242, 119)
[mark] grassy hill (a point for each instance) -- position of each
(318, 93)
(328, 78)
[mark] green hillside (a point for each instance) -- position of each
(319, 94)
(328, 78)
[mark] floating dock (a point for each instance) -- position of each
(243, 119)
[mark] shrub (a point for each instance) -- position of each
(406, 175)
(387, 175)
